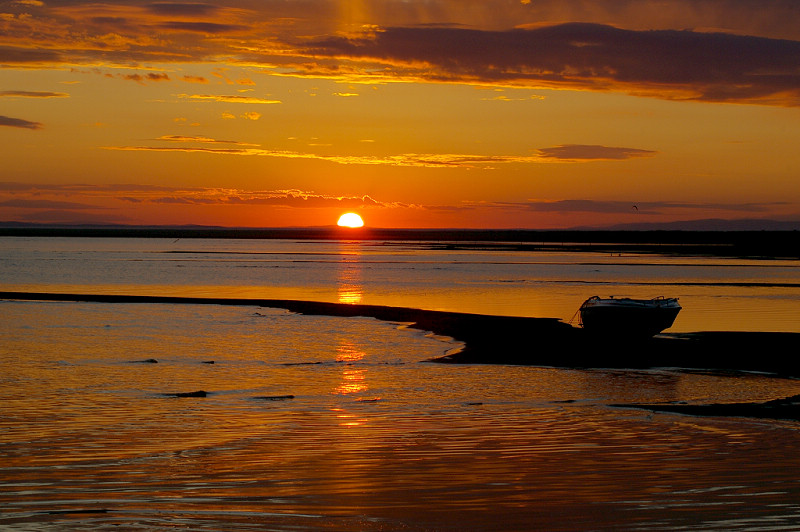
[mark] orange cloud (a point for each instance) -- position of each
(150, 76)
(29, 196)
(228, 98)
(132, 203)
(440, 41)
(195, 79)
(33, 94)
(719, 64)
(188, 138)
(564, 153)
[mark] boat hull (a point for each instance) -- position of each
(630, 317)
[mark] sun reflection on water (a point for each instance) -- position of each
(349, 287)
(353, 378)
(352, 382)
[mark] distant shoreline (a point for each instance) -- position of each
(527, 341)
(751, 244)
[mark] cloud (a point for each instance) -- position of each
(48, 188)
(50, 201)
(188, 138)
(565, 153)
(201, 27)
(33, 94)
(440, 41)
(405, 159)
(28, 196)
(228, 98)
(586, 152)
(181, 9)
(19, 122)
(45, 204)
(71, 217)
(27, 56)
(150, 76)
(290, 198)
(195, 79)
(681, 65)
(622, 207)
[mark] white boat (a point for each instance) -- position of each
(626, 316)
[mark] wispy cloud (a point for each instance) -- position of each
(33, 94)
(564, 153)
(19, 122)
(567, 206)
(405, 159)
(207, 140)
(45, 204)
(229, 98)
(592, 152)
(55, 201)
(28, 196)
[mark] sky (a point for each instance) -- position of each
(538, 114)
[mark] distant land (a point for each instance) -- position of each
(710, 224)
(773, 240)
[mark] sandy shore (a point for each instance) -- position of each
(530, 341)
(786, 409)
(551, 342)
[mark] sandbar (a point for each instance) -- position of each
(784, 409)
(550, 342)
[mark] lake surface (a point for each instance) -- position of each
(315, 422)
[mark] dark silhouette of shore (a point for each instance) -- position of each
(757, 244)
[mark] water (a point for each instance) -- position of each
(716, 293)
(316, 422)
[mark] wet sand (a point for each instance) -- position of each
(529, 341)
(785, 409)
(550, 342)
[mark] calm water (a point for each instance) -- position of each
(716, 293)
(315, 422)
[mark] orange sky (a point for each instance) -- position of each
(432, 113)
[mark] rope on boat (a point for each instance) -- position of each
(580, 322)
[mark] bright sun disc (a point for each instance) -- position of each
(350, 219)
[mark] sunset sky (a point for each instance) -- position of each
(413, 113)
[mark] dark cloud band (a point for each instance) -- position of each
(669, 64)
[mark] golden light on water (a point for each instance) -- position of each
(350, 219)
(349, 287)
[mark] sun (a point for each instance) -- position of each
(350, 219)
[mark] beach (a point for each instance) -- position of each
(528, 341)
(142, 392)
